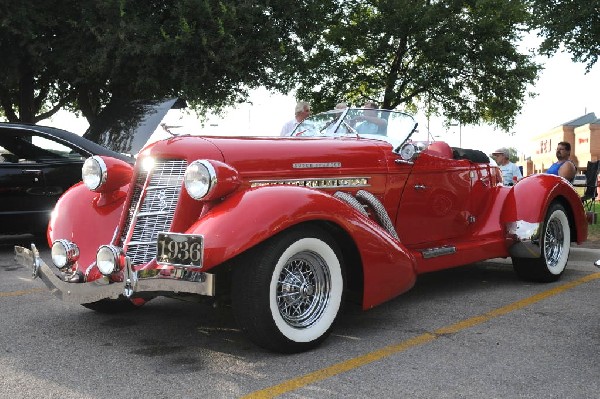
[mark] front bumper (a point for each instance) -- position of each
(135, 284)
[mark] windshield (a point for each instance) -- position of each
(391, 126)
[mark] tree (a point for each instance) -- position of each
(29, 71)
(513, 155)
(572, 23)
(84, 55)
(456, 57)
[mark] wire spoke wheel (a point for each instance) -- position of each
(303, 289)
(554, 240)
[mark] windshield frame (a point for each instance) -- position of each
(394, 127)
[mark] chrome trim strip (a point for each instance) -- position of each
(402, 161)
(163, 187)
(153, 213)
(157, 282)
(140, 242)
(316, 182)
(438, 251)
(311, 165)
(103, 170)
(523, 239)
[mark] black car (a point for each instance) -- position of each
(39, 163)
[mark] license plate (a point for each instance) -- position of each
(180, 249)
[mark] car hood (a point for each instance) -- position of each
(125, 127)
(264, 157)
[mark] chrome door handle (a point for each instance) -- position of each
(420, 187)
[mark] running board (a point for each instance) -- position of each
(439, 251)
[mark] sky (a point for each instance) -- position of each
(564, 92)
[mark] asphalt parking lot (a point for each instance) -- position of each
(470, 332)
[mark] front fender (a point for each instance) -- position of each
(529, 200)
(250, 217)
(78, 217)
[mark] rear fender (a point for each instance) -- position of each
(529, 200)
(250, 217)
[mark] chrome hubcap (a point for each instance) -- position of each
(303, 289)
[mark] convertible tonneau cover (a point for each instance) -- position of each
(472, 155)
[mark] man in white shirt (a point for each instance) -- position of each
(510, 172)
(301, 112)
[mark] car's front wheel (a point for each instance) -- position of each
(555, 244)
(287, 292)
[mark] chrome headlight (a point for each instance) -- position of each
(93, 172)
(200, 178)
(108, 259)
(64, 253)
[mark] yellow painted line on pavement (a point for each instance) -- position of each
(422, 339)
(22, 292)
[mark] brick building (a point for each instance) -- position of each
(584, 135)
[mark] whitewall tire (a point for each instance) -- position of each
(288, 291)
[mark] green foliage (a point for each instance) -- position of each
(574, 24)
(83, 54)
(30, 73)
(513, 155)
(457, 58)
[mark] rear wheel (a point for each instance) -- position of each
(555, 247)
(288, 291)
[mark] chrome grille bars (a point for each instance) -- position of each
(152, 208)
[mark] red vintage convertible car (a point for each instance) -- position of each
(287, 227)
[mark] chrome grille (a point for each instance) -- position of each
(135, 198)
(155, 212)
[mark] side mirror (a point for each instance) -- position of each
(597, 263)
